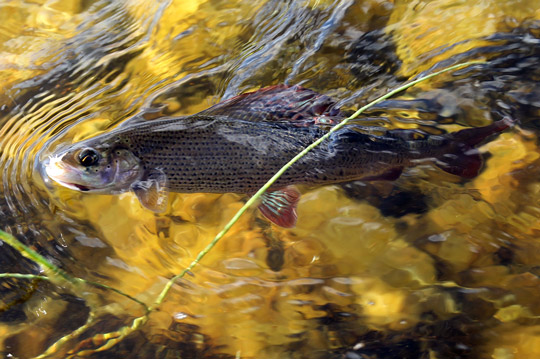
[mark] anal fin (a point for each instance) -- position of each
(280, 206)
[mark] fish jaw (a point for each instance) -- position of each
(75, 186)
(62, 172)
(59, 173)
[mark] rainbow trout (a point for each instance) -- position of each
(237, 145)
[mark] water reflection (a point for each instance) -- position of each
(427, 266)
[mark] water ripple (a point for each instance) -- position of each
(83, 74)
(300, 287)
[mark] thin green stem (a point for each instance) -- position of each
(105, 286)
(50, 269)
(23, 276)
(279, 173)
(113, 338)
(58, 344)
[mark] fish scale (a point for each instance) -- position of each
(227, 154)
(239, 144)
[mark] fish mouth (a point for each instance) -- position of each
(56, 171)
(75, 186)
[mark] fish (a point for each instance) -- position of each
(237, 145)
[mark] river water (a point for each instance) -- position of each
(427, 266)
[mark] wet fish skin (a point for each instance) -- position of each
(221, 154)
(230, 149)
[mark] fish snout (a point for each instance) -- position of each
(54, 168)
(58, 171)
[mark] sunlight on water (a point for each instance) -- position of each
(427, 266)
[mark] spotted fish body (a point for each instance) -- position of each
(237, 145)
(222, 154)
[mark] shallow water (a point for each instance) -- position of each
(428, 266)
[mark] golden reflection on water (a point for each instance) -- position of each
(420, 40)
(347, 277)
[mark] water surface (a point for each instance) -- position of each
(428, 266)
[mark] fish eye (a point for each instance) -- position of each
(88, 157)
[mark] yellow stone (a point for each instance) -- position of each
(512, 341)
(384, 306)
(512, 312)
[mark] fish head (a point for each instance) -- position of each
(92, 167)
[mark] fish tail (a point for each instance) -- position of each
(454, 153)
(474, 136)
(462, 158)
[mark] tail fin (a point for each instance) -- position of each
(473, 136)
(464, 159)
(454, 153)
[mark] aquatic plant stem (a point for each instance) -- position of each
(108, 340)
(23, 276)
(83, 281)
(57, 345)
(54, 274)
(279, 173)
(52, 271)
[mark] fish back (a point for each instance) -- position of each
(217, 154)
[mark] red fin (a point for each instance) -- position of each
(280, 206)
(473, 136)
(465, 161)
(466, 164)
(294, 104)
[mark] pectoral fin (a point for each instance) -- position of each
(152, 192)
(280, 206)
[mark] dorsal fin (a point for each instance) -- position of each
(279, 103)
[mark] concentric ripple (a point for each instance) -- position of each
(49, 105)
